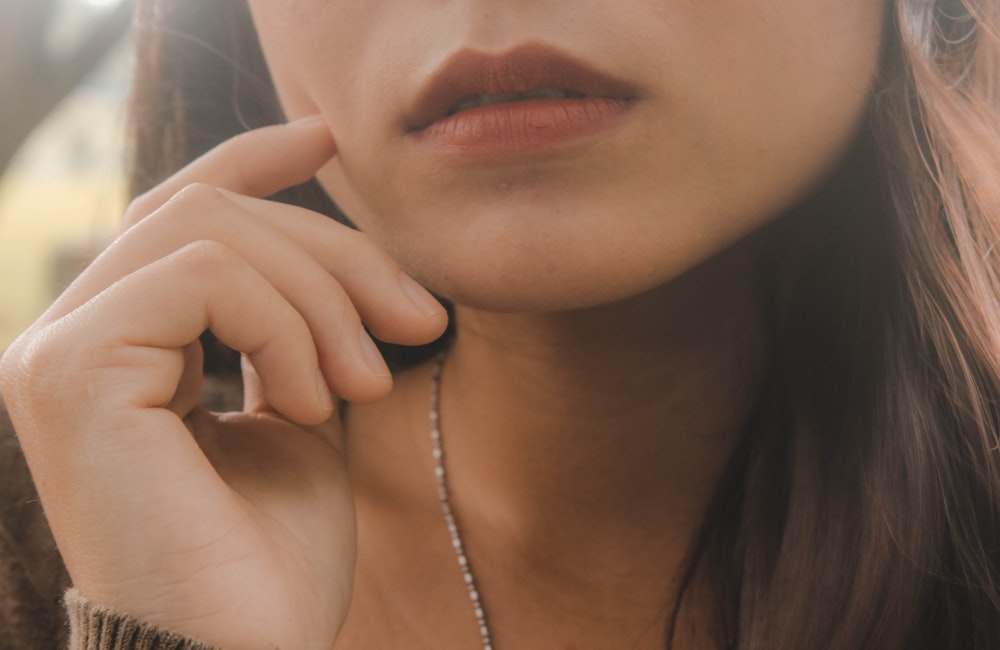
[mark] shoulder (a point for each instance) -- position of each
(32, 575)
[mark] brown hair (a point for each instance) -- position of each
(862, 506)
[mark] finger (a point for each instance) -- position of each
(188, 393)
(137, 326)
(255, 402)
(257, 163)
(390, 302)
(349, 359)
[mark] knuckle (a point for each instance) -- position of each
(11, 363)
(199, 211)
(149, 204)
(28, 370)
(196, 194)
(147, 207)
(138, 209)
(207, 258)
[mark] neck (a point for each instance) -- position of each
(616, 419)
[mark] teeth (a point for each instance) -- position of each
(549, 93)
(486, 100)
(475, 101)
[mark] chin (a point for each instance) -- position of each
(537, 248)
(503, 279)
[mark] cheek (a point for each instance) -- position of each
(792, 97)
(777, 98)
(314, 51)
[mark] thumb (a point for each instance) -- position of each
(255, 402)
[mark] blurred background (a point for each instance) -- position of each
(64, 73)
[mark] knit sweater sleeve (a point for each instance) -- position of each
(93, 627)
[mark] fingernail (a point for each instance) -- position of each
(373, 356)
(419, 296)
(323, 392)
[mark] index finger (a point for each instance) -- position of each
(257, 163)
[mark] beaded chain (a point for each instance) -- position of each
(449, 516)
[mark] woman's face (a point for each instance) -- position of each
(721, 115)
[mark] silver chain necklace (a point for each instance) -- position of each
(449, 515)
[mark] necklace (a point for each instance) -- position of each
(449, 515)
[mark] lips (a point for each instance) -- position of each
(470, 74)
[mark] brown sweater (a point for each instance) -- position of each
(38, 608)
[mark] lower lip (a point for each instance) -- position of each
(522, 127)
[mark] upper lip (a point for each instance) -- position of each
(470, 72)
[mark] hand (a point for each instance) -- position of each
(235, 529)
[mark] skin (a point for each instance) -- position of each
(758, 98)
(607, 348)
